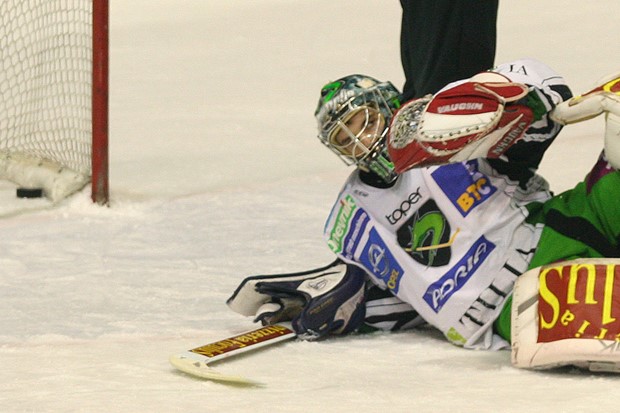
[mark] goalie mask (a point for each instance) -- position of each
(353, 116)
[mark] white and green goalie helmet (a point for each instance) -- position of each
(353, 117)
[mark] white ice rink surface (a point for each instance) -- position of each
(216, 175)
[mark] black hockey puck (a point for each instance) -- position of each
(29, 192)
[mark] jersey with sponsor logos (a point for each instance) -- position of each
(451, 240)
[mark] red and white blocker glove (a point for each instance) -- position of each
(479, 118)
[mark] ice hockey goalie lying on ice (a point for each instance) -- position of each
(445, 212)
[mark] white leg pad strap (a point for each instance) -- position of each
(568, 314)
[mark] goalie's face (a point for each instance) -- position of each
(358, 132)
(353, 115)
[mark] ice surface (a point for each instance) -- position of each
(216, 175)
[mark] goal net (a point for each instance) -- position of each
(53, 54)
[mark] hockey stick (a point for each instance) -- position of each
(197, 361)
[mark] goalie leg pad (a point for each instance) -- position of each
(568, 313)
(605, 98)
(612, 138)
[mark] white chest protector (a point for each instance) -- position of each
(449, 240)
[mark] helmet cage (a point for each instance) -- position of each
(357, 147)
(354, 136)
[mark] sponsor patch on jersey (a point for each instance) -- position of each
(464, 185)
(425, 236)
(438, 293)
(404, 208)
(341, 224)
(356, 230)
(377, 258)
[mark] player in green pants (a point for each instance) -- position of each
(583, 222)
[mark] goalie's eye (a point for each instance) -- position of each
(343, 138)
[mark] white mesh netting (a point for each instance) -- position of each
(45, 85)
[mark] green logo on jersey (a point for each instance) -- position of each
(428, 230)
(342, 224)
(426, 235)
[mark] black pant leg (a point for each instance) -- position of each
(445, 40)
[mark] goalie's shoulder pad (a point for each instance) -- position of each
(568, 313)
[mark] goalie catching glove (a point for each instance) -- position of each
(328, 300)
(479, 118)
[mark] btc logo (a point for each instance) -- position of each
(474, 193)
(464, 185)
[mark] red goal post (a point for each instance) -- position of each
(54, 96)
(99, 173)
